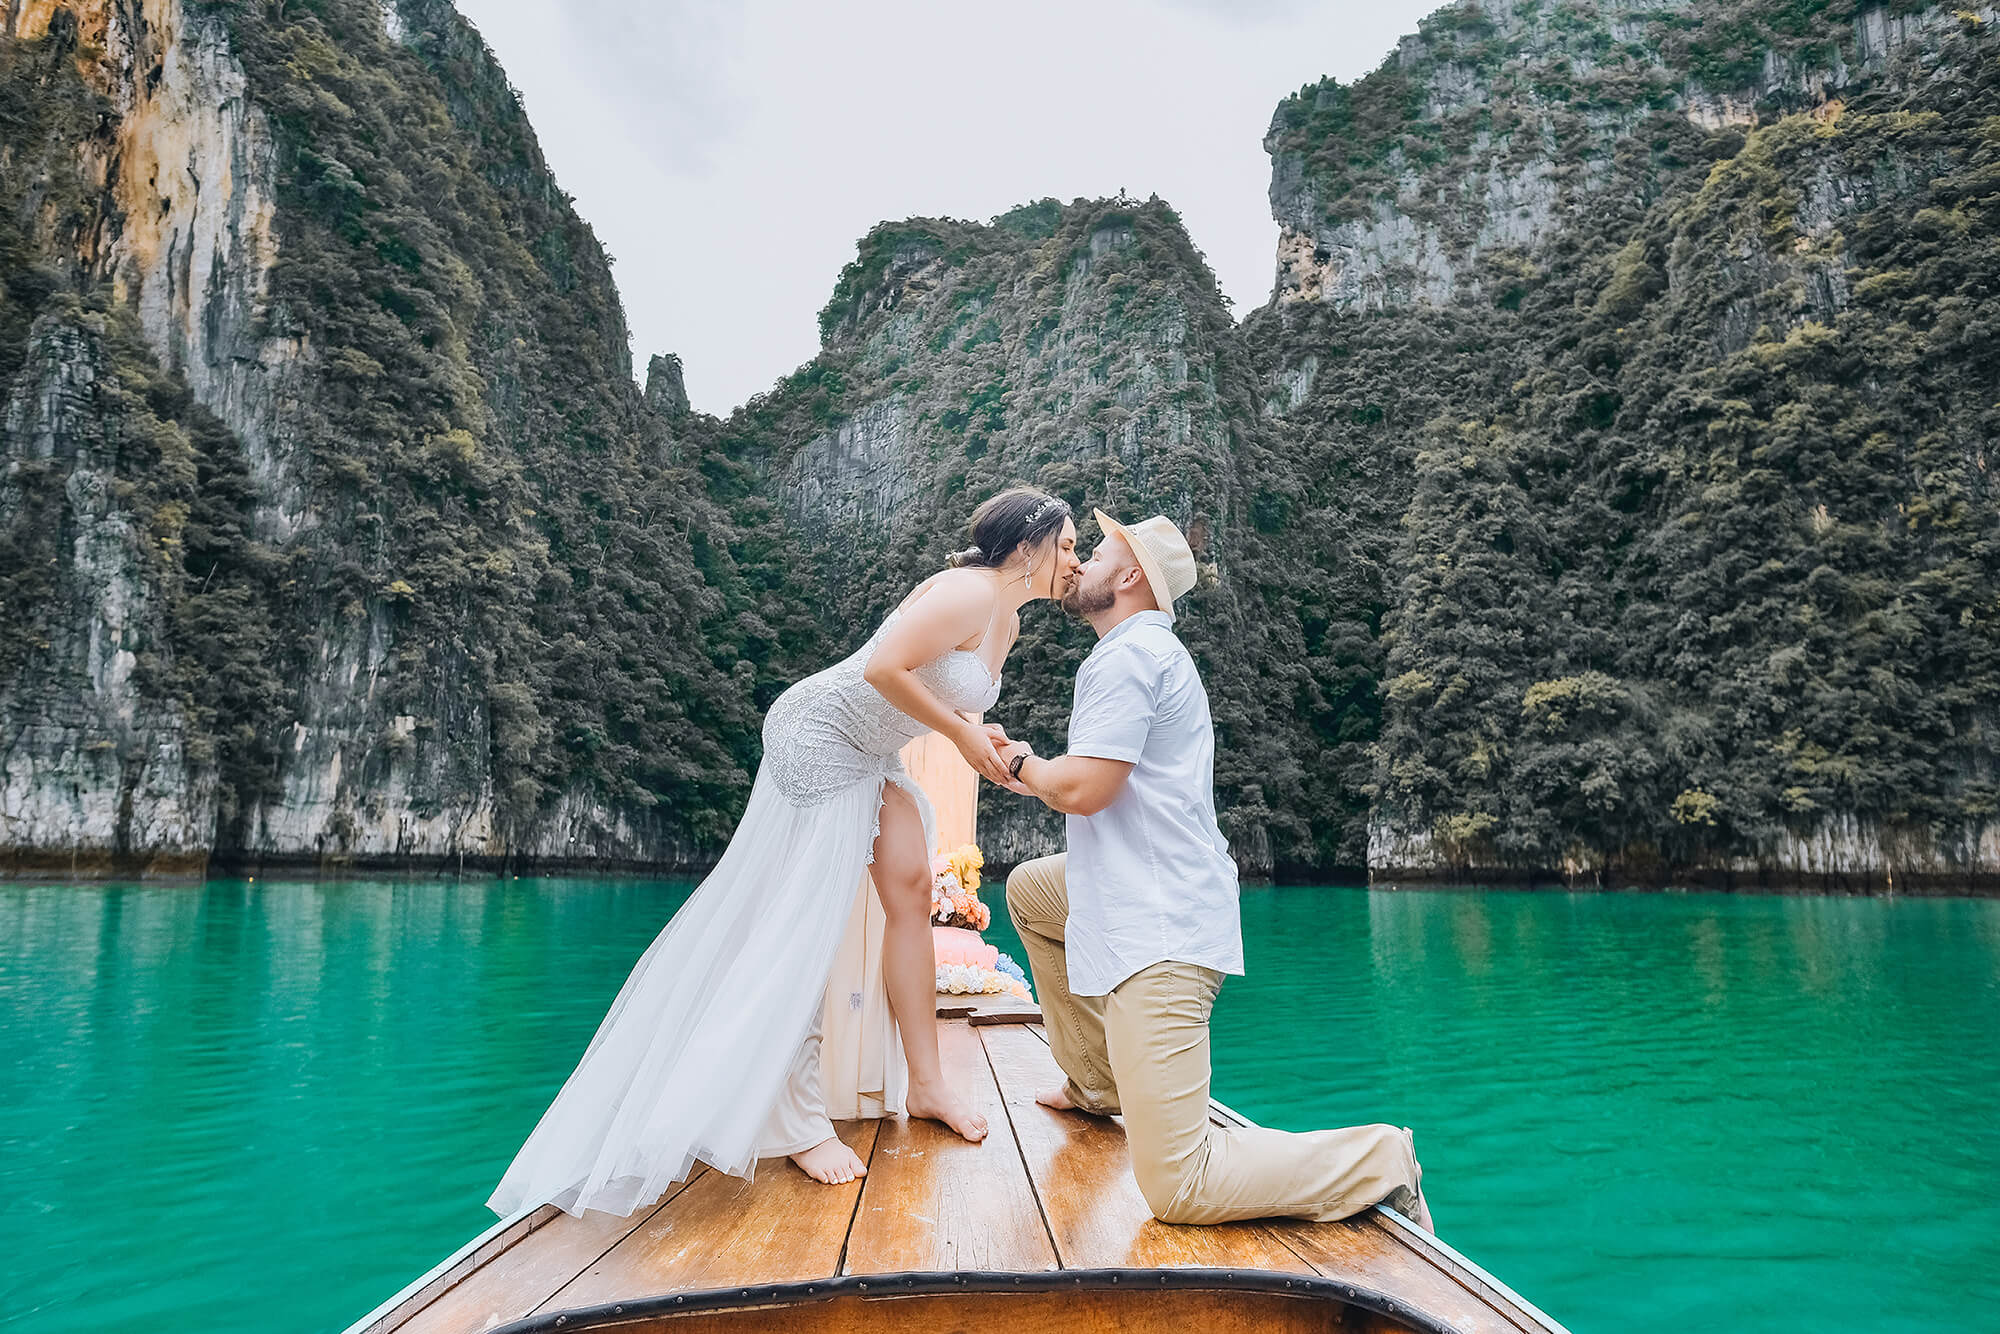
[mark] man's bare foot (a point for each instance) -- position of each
(831, 1161)
(941, 1104)
(1058, 1098)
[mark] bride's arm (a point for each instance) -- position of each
(950, 611)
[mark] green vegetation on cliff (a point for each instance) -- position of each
(1681, 538)
(118, 484)
(1083, 348)
(1608, 486)
(479, 425)
(483, 520)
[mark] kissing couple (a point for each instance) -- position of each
(712, 1050)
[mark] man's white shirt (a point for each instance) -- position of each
(1149, 877)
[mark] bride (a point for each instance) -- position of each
(711, 1050)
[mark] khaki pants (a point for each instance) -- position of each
(1143, 1051)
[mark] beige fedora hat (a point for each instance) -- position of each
(1161, 551)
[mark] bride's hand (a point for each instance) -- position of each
(997, 735)
(978, 749)
(1007, 754)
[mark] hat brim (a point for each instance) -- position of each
(1155, 576)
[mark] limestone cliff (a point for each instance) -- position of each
(1604, 492)
(1445, 173)
(392, 361)
(1083, 348)
(1621, 346)
(97, 747)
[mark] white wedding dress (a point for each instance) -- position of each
(711, 1050)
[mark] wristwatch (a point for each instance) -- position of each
(1014, 769)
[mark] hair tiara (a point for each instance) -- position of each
(1052, 503)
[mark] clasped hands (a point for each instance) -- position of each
(990, 751)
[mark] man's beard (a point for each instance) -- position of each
(1087, 599)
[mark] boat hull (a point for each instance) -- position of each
(1103, 1301)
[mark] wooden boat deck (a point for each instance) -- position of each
(1044, 1216)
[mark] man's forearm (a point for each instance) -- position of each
(1044, 779)
(1062, 783)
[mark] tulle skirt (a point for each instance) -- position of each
(700, 1044)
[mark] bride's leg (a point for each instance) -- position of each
(902, 874)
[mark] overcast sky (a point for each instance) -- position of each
(730, 155)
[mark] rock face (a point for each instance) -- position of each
(1438, 176)
(1602, 495)
(96, 770)
(1604, 337)
(1082, 348)
(666, 390)
(351, 622)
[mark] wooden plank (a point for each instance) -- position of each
(724, 1231)
(448, 1274)
(933, 1201)
(1082, 1171)
(1045, 1189)
(951, 785)
(1440, 1253)
(988, 1018)
(519, 1279)
(1364, 1250)
(983, 1009)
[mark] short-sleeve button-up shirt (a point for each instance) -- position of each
(1149, 877)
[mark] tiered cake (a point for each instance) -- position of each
(967, 965)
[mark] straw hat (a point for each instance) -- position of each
(1162, 553)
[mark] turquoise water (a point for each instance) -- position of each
(264, 1107)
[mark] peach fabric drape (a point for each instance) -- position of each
(861, 1057)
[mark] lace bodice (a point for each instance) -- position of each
(833, 729)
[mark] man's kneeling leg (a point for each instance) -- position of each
(1193, 1171)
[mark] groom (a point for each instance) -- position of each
(1130, 932)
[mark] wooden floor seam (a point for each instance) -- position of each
(1034, 1187)
(1284, 1241)
(650, 1215)
(840, 1260)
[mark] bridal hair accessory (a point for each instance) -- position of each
(1052, 503)
(1035, 517)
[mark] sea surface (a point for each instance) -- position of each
(262, 1107)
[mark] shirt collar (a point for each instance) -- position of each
(1135, 619)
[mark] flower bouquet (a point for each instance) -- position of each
(955, 889)
(967, 965)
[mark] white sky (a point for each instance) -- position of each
(729, 155)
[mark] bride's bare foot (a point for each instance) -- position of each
(1058, 1098)
(941, 1104)
(831, 1161)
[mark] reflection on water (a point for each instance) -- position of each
(263, 1107)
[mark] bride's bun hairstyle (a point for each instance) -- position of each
(1020, 516)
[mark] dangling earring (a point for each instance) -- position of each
(1027, 577)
